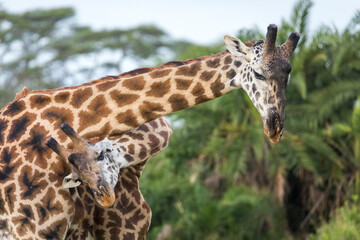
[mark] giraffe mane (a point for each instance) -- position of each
(171, 64)
(23, 93)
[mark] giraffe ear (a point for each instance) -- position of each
(237, 48)
(70, 182)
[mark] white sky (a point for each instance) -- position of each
(201, 21)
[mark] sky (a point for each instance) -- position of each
(200, 21)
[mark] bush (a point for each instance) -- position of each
(345, 225)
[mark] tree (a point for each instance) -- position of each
(311, 172)
(47, 49)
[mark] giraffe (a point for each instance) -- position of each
(108, 107)
(129, 217)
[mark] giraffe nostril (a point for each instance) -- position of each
(278, 126)
(275, 122)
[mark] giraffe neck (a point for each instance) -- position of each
(171, 87)
(113, 105)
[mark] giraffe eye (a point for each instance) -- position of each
(101, 156)
(259, 76)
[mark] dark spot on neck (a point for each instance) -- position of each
(128, 117)
(253, 88)
(14, 108)
(3, 125)
(62, 97)
(213, 63)
(231, 74)
(189, 70)
(151, 110)
(80, 96)
(228, 60)
(178, 102)
(237, 63)
(257, 96)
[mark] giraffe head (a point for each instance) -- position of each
(86, 168)
(265, 75)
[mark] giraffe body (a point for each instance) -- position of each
(31, 174)
(129, 216)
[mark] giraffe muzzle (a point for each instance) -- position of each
(274, 126)
(104, 195)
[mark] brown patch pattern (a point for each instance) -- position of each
(3, 126)
(48, 206)
(24, 221)
(178, 102)
(128, 117)
(62, 97)
(217, 86)
(228, 60)
(106, 85)
(20, 125)
(39, 101)
(189, 70)
(160, 73)
(80, 96)
(97, 110)
(207, 75)
(198, 90)
(136, 83)
(55, 230)
(213, 63)
(99, 134)
(159, 89)
(182, 84)
(10, 196)
(123, 99)
(31, 182)
(201, 99)
(14, 108)
(58, 115)
(9, 165)
(231, 74)
(151, 110)
(34, 147)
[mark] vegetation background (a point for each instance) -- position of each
(222, 178)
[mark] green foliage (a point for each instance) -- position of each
(46, 49)
(345, 225)
(193, 213)
(311, 171)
